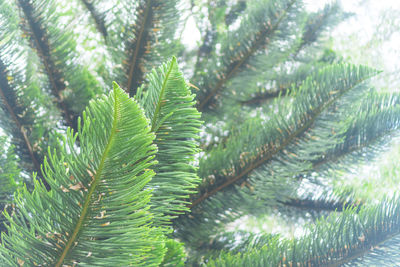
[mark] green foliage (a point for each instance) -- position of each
(10, 179)
(175, 255)
(285, 121)
(144, 39)
(168, 104)
(331, 242)
(104, 190)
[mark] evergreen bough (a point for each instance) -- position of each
(141, 178)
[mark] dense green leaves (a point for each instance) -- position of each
(146, 32)
(284, 116)
(276, 137)
(246, 47)
(71, 84)
(102, 184)
(25, 112)
(10, 177)
(169, 105)
(331, 242)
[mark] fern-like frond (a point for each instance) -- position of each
(148, 40)
(221, 15)
(333, 241)
(71, 84)
(258, 141)
(24, 116)
(10, 178)
(97, 17)
(279, 83)
(16, 119)
(96, 212)
(256, 32)
(264, 158)
(317, 22)
(169, 105)
(362, 132)
(175, 255)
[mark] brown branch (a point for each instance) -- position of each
(6, 90)
(320, 204)
(261, 97)
(234, 67)
(135, 74)
(98, 18)
(41, 43)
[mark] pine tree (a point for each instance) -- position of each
(152, 172)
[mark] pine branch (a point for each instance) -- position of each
(319, 204)
(376, 118)
(97, 17)
(235, 11)
(10, 178)
(314, 27)
(304, 123)
(146, 40)
(103, 187)
(169, 105)
(265, 96)
(282, 82)
(140, 46)
(14, 109)
(260, 40)
(333, 241)
(55, 75)
(318, 22)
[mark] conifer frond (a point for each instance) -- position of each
(270, 73)
(221, 15)
(333, 241)
(69, 81)
(212, 216)
(348, 142)
(264, 158)
(279, 84)
(107, 221)
(259, 141)
(169, 105)
(19, 118)
(97, 17)
(255, 33)
(175, 256)
(10, 178)
(285, 123)
(363, 132)
(20, 98)
(152, 23)
(318, 22)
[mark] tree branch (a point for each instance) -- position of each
(9, 98)
(135, 74)
(236, 64)
(98, 18)
(264, 157)
(56, 77)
